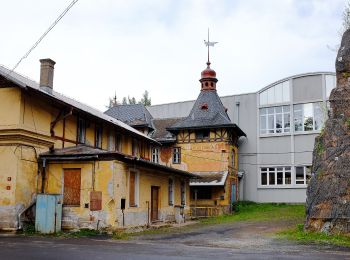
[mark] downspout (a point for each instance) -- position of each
(43, 176)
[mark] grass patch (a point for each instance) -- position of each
(298, 234)
(250, 211)
(84, 232)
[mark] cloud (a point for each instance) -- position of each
(129, 46)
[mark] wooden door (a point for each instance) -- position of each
(154, 203)
(72, 183)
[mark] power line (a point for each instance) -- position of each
(43, 35)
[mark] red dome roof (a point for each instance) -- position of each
(208, 72)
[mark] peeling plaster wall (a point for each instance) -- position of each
(112, 179)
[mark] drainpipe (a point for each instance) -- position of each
(147, 213)
(43, 176)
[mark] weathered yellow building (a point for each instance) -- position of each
(50, 143)
(203, 143)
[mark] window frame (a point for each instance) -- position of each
(98, 136)
(118, 141)
(176, 158)
(136, 189)
(171, 189)
(300, 120)
(265, 114)
(274, 174)
(183, 193)
(306, 172)
(155, 155)
(203, 134)
(81, 130)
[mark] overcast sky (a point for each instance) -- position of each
(107, 46)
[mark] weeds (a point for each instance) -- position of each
(300, 235)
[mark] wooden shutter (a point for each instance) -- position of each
(132, 189)
(72, 184)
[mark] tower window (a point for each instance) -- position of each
(202, 134)
(206, 84)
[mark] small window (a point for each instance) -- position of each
(302, 175)
(176, 155)
(171, 192)
(155, 155)
(133, 189)
(98, 136)
(183, 193)
(135, 148)
(118, 142)
(81, 131)
(71, 187)
(202, 134)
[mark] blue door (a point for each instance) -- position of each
(233, 193)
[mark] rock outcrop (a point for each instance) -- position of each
(328, 193)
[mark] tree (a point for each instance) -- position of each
(113, 101)
(131, 101)
(145, 100)
(346, 18)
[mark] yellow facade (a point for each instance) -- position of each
(32, 123)
(214, 154)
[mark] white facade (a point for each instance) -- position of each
(281, 122)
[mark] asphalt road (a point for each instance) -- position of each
(229, 241)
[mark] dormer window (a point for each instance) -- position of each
(204, 106)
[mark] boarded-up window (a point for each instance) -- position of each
(95, 200)
(132, 189)
(71, 191)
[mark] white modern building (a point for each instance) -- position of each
(281, 122)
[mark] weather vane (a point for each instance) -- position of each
(209, 44)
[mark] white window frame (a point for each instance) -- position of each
(304, 180)
(275, 171)
(265, 116)
(302, 110)
(269, 97)
(176, 158)
(155, 154)
(330, 83)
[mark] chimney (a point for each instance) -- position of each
(46, 74)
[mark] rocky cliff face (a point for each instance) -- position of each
(328, 194)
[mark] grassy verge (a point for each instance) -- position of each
(298, 234)
(250, 211)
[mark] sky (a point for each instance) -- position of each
(126, 47)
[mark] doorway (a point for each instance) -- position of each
(154, 203)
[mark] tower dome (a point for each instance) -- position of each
(208, 78)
